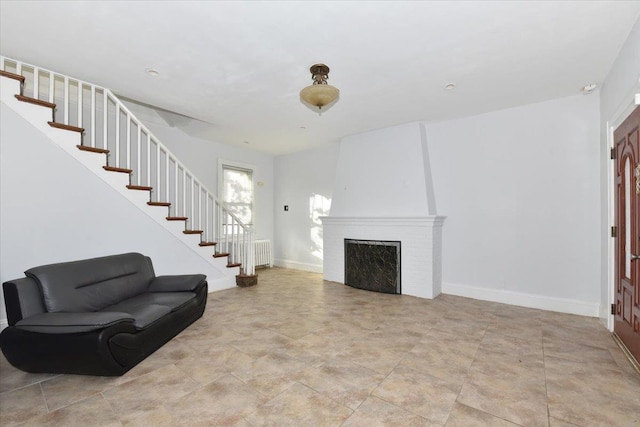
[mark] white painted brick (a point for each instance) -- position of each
(421, 248)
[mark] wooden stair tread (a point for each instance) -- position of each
(220, 254)
(114, 169)
(207, 244)
(193, 231)
(35, 101)
(92, 149)
(177, 218)
(234, 264)
(12, 76)
(139, 187)
(159, 204)
(66, 127)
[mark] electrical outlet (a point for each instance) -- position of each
(286, 208)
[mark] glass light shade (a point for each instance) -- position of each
(319, 95)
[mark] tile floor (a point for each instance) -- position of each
(297, 351)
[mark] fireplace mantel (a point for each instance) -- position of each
(421, 239)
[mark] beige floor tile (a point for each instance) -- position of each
(566, 376)
(464, 416)
(377, 412)
(528, 330)
(94, 411)
(261, 342)
(67, 389)
(588, 394)
(223, 402)
(443, 355)
(558, 347)
(519, 400)
(554, 422)
(212, 364)
(343, 381)
(18, 406)
(300, 406)
(271, 374)
(498, 342)
(471, 327)
(510, 367)
(12, 378)
(421, 394)
(161, 386)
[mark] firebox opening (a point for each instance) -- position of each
(372, 265)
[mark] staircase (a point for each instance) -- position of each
(103, 134)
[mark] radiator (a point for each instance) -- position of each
(263, 255)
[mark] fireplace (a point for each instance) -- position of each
(372, 265)
(421, 248)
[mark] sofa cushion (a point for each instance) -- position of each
(92, 284)
(71, 323)
(145, 315)
(172, 300)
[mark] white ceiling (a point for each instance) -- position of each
(239, 66)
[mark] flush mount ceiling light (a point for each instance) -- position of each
(587, 89)
(319, 94)
(152, 72)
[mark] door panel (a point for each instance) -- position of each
(627, 221)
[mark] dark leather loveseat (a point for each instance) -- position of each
(99, 316)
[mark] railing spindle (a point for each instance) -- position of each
(52, 92)
(128, 141)
(105, 122)
(117, 153)
(167, 178)
(149, 161)
(139, 153)
(36, 82)
(93, 116)
(158, 153)
(66, 100)
(80, 101)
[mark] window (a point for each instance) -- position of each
(237, 191)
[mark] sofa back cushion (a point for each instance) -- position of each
(92, 284)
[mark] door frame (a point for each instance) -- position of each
(611, 125)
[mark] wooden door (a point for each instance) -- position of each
(627, 221)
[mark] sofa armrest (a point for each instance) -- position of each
(69, 323)
(22, 298)
(181, 283)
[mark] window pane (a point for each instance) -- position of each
(243, 212)
(237, 192)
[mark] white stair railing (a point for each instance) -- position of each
(108, 124)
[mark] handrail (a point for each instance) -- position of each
(133, 146)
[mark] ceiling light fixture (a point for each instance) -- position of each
(153, 72)
(450, 86)
(320, 93)
(587, 89)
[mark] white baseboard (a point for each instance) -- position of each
(314, 268)
(563, 305)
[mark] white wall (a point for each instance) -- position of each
(381, 174)
(201, 157)
(53, 209)
(616, 101)
(520, 190)
(304, 182)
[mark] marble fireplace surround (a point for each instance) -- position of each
(421, 239)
